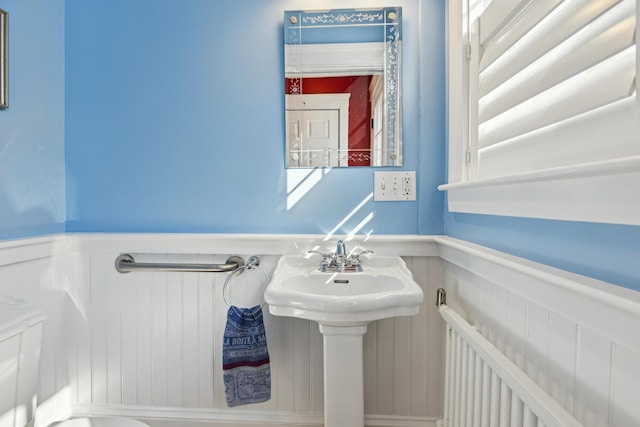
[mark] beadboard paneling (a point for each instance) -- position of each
(148, 344)
(29, 269)
(545, 329)
(153, 341)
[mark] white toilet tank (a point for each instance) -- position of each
(20, 342)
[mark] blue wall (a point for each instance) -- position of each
(172, 118)
(175, 123)
(603, 251)
(32, 173)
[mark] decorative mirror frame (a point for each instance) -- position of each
(4, 59)
(390, 21)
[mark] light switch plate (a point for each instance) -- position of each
(394, 186)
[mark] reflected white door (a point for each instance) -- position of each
(317, 130)
(314, 137)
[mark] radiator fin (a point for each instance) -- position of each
(483, 388)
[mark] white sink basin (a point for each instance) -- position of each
(385, 288)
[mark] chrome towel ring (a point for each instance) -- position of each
(253, 263)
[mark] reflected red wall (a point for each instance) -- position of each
(359, 105)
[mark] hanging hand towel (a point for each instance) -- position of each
(245, 358)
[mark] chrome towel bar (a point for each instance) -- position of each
(125, 264)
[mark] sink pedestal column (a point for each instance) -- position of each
(343, 375)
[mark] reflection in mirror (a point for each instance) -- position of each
(343, 87)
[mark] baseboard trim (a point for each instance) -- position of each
(399, 421)
(185, 417)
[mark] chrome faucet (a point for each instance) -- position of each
(341, 256)
(339, 261)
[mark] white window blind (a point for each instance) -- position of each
(552, 84)
(543, 114)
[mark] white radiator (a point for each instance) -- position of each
(483, 388)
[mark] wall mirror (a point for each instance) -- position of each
(343, 89)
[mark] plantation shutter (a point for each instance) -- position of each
(552, 84)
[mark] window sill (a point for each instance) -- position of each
(606, 192)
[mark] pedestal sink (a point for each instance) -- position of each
(343, 303)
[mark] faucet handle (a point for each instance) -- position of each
(357, 256)
(319, 253)
(326, 259)
(355, 262)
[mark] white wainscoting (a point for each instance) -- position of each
(147, 345)
(30, 269)
(578, 338)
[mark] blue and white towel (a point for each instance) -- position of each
(245, 357)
